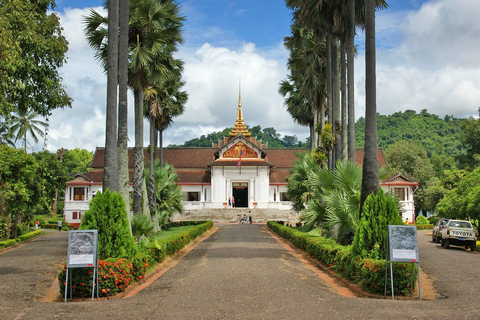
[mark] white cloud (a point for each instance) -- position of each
(426, 59)
(434, 66)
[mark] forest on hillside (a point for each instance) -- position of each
(435, 134)
(266, 135)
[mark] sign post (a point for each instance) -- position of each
(402, 246)
(82, 253)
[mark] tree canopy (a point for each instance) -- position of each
(33, 48)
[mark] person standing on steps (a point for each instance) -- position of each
(250, 216)
(233, 202)
(229, 201)
(59, 225)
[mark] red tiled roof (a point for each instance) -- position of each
(196, 177)
(178, 157)
(279, 176)
(197, 160)
(283, 158)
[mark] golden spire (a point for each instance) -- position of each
(239, 127)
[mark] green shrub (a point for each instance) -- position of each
(368, 273)
(142, 225)
(425, 227)
(379, 211)
(421, 220)
(29, 235)
(107, 214)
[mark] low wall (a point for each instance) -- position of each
(233, 215)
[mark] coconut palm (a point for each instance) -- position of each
(6, 134)
(24, 122)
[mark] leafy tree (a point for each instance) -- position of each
(463, 201)
(407, 156)
(471, 141)
(290, 141)
(33, 49)
(108, 215)
(75, 160)
(17, 186)
(51, 176)
(379, 211)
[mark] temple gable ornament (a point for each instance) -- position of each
(240, 148)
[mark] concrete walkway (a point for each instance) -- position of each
(240, 272)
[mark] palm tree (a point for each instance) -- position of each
(370, 181)
(122, 143)
(305, 86)
(350, 78)
(164, 102)
(168, 192)
(6, 134)
(110, 172)
(334, 200)
(24, 122)
(154, 30)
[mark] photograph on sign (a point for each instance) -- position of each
(403, 243)
(82, 248)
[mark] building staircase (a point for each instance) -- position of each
(233, 215)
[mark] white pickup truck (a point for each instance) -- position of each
(459, 233)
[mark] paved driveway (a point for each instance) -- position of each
(242, 272)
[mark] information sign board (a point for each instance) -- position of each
(82, 248)
(403, 245)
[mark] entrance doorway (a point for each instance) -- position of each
(240, 193)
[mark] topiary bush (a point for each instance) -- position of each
(379, 211)
(421, 220)
(108, 215)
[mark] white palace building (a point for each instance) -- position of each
(239, 167)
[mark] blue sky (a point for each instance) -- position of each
(427, 58)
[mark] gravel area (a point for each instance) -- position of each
(239, 272)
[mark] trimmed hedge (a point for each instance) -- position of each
(116, 274)
(425, 226)
(369, 274)
(23, 237)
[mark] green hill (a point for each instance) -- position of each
(435, 134)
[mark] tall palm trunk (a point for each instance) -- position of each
(122, 144)
(160, 141)
(343, 86)
(350, 80)
(329, 93)
(152, 191)
(110, 172)
(138, 153)
(336, 99)
(370, 181)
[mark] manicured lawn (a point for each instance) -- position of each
(172, 231)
